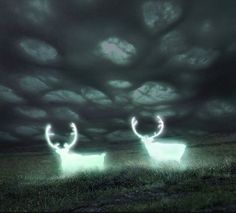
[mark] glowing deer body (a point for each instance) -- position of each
(73, 162)
(156, 150)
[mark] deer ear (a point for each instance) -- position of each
(65, 145)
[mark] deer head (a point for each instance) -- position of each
(66, 146)
(146, 138)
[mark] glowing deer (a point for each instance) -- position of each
(73, 162)
(156, 150)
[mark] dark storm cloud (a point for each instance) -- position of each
(99, 62)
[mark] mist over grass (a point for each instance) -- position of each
(168, 187)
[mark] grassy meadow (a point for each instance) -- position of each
(34, 183)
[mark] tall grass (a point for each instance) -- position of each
(26, 193)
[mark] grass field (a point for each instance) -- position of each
(33, 183)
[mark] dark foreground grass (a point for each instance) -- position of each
(131, 188)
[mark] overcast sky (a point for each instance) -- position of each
(99, 62)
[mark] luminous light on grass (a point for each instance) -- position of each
(73, 162)
(156, 150)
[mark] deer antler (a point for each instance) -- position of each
(48, 133)
(160, 126)
(134, 123)
(74, 133)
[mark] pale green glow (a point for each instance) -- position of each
(163, 151)
(156, 150)
(72, 162)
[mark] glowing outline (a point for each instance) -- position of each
(159, 151)
(73, 162)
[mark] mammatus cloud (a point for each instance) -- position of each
(153, 93)
(8, 95)
(117, 51)
(38, 50)
(98, 63)
(158, 15)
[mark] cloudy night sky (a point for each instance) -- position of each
(99, 62)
